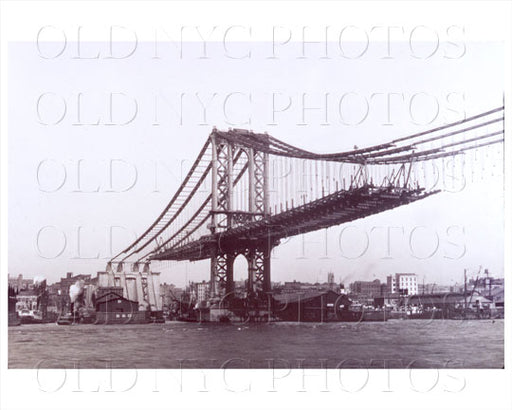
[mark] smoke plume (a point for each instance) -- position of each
(76, 290)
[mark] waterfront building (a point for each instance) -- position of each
(26, 300)
(18, 283)
(63, 285)
(70, 279)
(403, 284)
(202, 291)
(103, 290)
(296, 286)
(169, 294)
(471, 300)
(429, 288)
(111, 308)
(33, 301)
(485, 285)
(498, 296)
(366, 289)
(310, 306)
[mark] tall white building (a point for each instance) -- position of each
(203, 291)
(405, 283)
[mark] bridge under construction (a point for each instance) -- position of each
(247, 191)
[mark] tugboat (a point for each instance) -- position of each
(87, 316)
(70, 318)
(361, 313)
(156, 316)
(67, 319)
(30, 316)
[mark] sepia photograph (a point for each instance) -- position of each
(213, 198)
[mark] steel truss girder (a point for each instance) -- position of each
(398, 151)
(334, 209)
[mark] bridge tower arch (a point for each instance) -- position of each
(227, 154)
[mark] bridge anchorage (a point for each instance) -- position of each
(247, 191)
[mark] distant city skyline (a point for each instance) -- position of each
(319, 279)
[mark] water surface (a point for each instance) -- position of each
(400, 343)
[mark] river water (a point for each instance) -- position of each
(394, 344)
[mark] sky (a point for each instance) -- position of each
(101, 135)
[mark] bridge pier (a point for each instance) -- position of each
(258, 272)
(221, 275)
(258, 261)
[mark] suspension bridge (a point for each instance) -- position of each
(247, 191)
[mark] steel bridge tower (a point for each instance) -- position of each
(224, 216)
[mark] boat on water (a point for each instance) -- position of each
(27, 316)
(425, 314)
(68, 319)
(80, 316)
(156, 316)
(470, 314)
(88, 317)
(361, 313)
